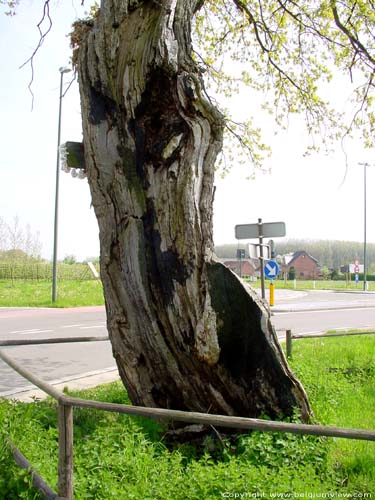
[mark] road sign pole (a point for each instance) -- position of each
(260, 234)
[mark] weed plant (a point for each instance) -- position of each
(118, 457)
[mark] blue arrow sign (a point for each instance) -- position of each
(271, 269)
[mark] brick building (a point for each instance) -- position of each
(305, 266)
(248, 267)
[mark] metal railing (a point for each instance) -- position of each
(290, 337)
(65, 424)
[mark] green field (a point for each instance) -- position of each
(70, 293)
(88, 292)
(316, 285)
(119, 457)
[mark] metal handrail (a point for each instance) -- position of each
(65, 416)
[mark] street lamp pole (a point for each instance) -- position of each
(55, 231)
(365, 228)
(365, 165)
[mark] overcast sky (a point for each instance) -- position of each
(308, 194)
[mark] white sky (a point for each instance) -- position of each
(305, 193)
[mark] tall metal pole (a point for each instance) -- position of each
(260, 233)
(365, 229)
(56, 219)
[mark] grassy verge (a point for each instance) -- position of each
(74, 293)
(119, 457)
(316, 285)
(339, 375)
(38, 294)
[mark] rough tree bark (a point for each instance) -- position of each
(186, 332)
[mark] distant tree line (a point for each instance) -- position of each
(331, 254)
(18, 243)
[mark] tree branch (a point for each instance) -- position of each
(243, 8)
(352, 37)
(42, 35)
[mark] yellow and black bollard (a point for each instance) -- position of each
(272, 294)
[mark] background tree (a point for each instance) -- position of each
(18, 243)
(70, 259)
(3, 234)
(292, 273)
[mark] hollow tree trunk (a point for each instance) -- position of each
(186, 333)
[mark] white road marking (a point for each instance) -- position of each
(34, 331)
(70, 326)
(30, 330)
(90, 327)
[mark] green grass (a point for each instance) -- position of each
(339, 377)
(316, 285)
(118, 457)
(39, 293)
(74, 293)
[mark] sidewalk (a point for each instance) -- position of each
(79, 382)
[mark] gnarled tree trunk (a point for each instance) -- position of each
(186, 332)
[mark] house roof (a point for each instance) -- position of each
(298, 254)
(228, 262)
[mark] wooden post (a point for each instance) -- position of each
(65, 472)
(289, 344)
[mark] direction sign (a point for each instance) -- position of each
(254, 251)
(271, 269)
(263, 229)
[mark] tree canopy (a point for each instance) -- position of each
(290, 51)
(287, 51)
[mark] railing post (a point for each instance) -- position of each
(289, 344)
(65, 472)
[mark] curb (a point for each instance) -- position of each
(77, 382)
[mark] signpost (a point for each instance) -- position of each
(261, 230)
(271, 270)
(355, 269)
(240, 256)
(269, 230)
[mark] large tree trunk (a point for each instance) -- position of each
(186, 332)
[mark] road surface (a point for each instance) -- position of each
(297, 311)
(317, 311)
(56, 362)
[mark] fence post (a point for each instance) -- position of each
(65, 471)
(289, 344)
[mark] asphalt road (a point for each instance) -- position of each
(55, 362)
(294, 300)
(299, 311)
(317, 311)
